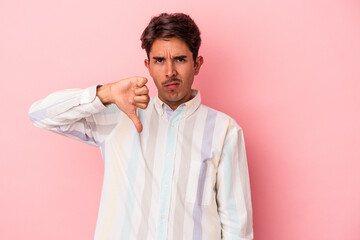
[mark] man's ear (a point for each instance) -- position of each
(146, 62)
(198, 63)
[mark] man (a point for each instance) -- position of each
(174, 168)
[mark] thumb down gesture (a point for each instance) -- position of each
(128, 95)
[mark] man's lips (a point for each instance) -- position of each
(172, 86)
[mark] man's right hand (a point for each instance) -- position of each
(128, 94)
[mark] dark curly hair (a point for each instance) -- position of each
(167, 25)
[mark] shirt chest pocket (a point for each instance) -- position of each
(201, 183)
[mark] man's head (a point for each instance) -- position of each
(172, 44)
(178, 25)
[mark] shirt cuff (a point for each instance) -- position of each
(89, 97)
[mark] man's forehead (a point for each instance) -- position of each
(173, 46)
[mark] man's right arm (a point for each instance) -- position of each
(71, 112)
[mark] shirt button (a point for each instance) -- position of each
(169, 154)
(162, 216)
(172, 124)
(165, 186)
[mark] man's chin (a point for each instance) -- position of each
(170, 98)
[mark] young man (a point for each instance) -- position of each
(174, 168)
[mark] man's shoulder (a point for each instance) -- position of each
(223, 118)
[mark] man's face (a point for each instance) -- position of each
(172, 67)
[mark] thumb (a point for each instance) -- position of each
(134, 118)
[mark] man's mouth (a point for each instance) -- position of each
(172, 84)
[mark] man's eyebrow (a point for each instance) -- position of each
(181, 56)
(158, 58)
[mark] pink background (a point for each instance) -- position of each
(287, 71)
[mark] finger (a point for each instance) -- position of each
(141, 99)
(142, 90)
(141, 105)
(141, 81)
(134, 118)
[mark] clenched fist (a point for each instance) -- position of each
(128, 94)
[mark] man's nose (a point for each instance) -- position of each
(170, 70)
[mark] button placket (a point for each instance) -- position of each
(167, 174)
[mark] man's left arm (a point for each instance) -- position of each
(233, 188)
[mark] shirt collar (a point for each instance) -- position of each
(188, 107)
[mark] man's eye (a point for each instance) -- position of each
(180, 60)
(159, 60)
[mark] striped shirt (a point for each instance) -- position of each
(185, 176)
